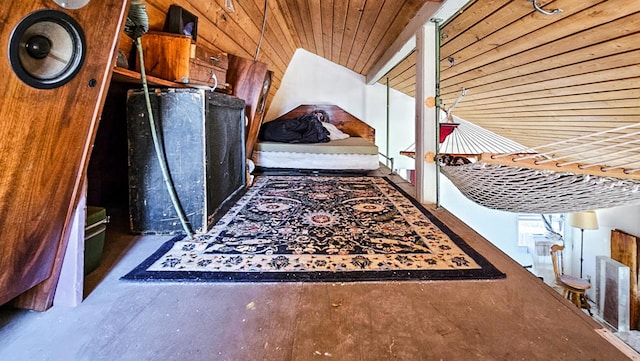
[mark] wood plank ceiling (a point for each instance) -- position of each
(352, 33)
(537, 78)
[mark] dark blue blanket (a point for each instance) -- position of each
(303, 129)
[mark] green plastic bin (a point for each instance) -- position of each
(94, 234)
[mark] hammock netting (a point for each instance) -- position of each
(576, 178)
(524, 190)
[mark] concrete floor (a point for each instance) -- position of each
(517, 318)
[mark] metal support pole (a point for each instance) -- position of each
(437, 130)
(387, 149)
(581, 249)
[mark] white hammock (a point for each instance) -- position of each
(566, 178)
(469, 139)
(525, 190)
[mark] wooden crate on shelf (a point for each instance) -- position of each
(175, 58)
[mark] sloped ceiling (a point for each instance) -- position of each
(537, 78)
(352, 33)
(530, 77)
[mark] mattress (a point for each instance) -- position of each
(353, 153)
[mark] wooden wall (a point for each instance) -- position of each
(354, 34)
(537, 78)
(237, 32)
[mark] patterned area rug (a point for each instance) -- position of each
(320, 228)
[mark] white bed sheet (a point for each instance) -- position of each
(348, 154)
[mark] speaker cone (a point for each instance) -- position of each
(46, 49)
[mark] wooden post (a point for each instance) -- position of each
(425, 116)
(249, 80)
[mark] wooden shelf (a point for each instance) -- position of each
(123, 75)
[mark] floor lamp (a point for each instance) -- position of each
(583, 220)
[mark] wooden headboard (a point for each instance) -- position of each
(338, 117)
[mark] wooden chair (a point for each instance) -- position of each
(573, 288)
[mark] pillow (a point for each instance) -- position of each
(334, 132)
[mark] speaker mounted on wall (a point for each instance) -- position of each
(47, 49)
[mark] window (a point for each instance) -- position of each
(541, 225)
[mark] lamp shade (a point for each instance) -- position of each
(584, 220)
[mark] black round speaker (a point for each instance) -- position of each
(47, 49)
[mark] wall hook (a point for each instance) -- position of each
(541, 10)
(451, 60)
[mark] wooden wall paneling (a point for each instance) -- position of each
(157, 16)
(327, 27)
(491, 65)
(475, 39)
(405, 84)
(47, 137)
(354, 14)
(299, 16)
(588, 124)
(578, 58)
(212, 23)
(400, 71)
(247, 27)
(474, 11)
(370, 41)
(272, 51)
(377, 34)
(594, 124)
(403, 76)
(541, 94)
(277, 33)
(318, 22)
(513, 87)
(368, 15)
(339, 25)
(624, 249)
(571, 110)
(596, 99)
(385, 35)
(292, 21)
(306, 20)
(157, 12)
(354, 34)
(507, 28)
(599, 22)
(620, 107)
(238, 32)
(282, 30)
(246, 78)
(497, 31)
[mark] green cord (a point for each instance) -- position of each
(159, 151)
